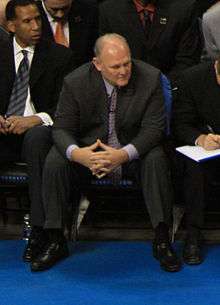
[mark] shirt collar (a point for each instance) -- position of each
(49, 17)
(140, 7)
(18, 48)
(109, 87)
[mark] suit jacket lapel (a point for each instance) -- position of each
(99, 95)
(9, 62)
(158, 26)
(136, 27)
(124, 99)
(39, 64)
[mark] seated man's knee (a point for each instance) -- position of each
(55, 161)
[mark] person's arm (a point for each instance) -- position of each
(186, 123)
(153, 125)
(66, 123)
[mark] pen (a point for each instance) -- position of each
(210, 129)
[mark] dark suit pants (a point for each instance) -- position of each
(62, 178)
(197, 177)
(32, 148)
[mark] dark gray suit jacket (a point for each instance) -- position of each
(82, 114)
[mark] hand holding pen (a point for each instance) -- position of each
(209, 141)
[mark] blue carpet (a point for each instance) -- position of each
(108, 273)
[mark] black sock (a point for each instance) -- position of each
(162, 232)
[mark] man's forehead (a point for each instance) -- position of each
(25, 11)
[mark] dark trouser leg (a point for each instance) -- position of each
(156, 186)
(158, 195)
(60, 180)
(36, 145)
(196, 179)
(194, 193)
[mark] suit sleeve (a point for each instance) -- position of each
(66, 122)
(185, 117)
(153, 124)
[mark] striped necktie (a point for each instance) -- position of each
(20, 88)
(113, 142)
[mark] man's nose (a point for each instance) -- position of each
(122, 70)
(35, 24)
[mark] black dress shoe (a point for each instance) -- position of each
(166, 256)
(50, 255)
(192, 253)
(34, 246)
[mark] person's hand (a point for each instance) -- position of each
(3, 125)
(209, 142)
(82, 155)
(105, 161)
(19, 124)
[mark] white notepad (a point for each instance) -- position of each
(198, 153)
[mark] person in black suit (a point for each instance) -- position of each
(196, 121)
(80, 24)
(88, 143)
(27, 135)
(162, 33)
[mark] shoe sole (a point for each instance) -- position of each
(192, 262)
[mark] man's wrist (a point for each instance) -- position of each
(124, 156)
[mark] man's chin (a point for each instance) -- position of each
(122, 83)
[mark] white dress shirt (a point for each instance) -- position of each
(29, 106)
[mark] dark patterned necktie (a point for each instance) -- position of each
(20, 88)
(113, 142)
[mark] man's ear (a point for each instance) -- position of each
(11, 26)
(96, 62)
